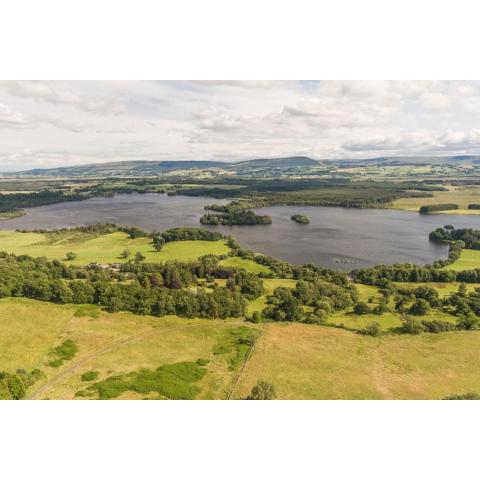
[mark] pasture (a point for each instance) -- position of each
(462, 196)
(469, 260)
(302, 361)
(104, 248)
(249, 265)
(314, 362)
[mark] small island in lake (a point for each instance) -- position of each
(300, 219)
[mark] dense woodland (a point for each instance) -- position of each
(17, 201)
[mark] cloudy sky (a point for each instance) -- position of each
(60, 123)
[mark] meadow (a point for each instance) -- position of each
(249, 265)
(315, 362)
(469, 260)
(302, 361)
(462, 196)
(105, 248)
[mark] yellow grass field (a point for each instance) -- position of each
(28, 329)
(462, 196)
(302, 361)
(313, 362)
(105, 248)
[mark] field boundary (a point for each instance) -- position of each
(247, 358)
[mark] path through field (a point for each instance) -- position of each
(105, 349)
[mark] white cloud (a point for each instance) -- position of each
(11, 118)
(51, 93)
(53, 123)
(420, 142)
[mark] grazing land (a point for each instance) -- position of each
(302, 361)
(311, 362)
(469, 260)
(461, 196)
(249, 265)
(104, 248)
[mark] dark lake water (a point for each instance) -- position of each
(340, 238)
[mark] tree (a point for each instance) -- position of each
(420, 307)
(126, 253)
(139, 257)
(361, 308)
(412, 326)
(70, 256)
(158, 242)
(256, 317)
(373, 329)
(262, 391)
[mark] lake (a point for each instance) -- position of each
(339, 238)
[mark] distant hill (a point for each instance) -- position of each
(287, 162)
(425, 160)
(138, 167)
(146, 167)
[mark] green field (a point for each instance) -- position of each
(105, 248)
(269, 284)
(249, 265)
(469, 260)
(443, 289)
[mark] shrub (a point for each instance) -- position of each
(70, 256)
(262, 391)
(361, 308)
(464, 396)
(420, 307)
(89, 376)
(373, 329)
(412, 326)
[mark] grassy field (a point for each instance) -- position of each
(28, 329)
(302, 361)
(105, 248)
(313, 362)
(469, 260)
(249, 265)
(114, 344)
(462, 196)
(269, 284)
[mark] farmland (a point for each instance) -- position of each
(469, 260)
(302, 361)
(310, 362)
(104, 248)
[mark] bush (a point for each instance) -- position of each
(412, 326)
(464, 396)
(361, 308)
(70, 256)
(89, 376)
(262, 391)
(420, 307)
(373, 329)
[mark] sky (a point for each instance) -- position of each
(64, 123)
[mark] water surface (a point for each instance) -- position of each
(336, 237)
